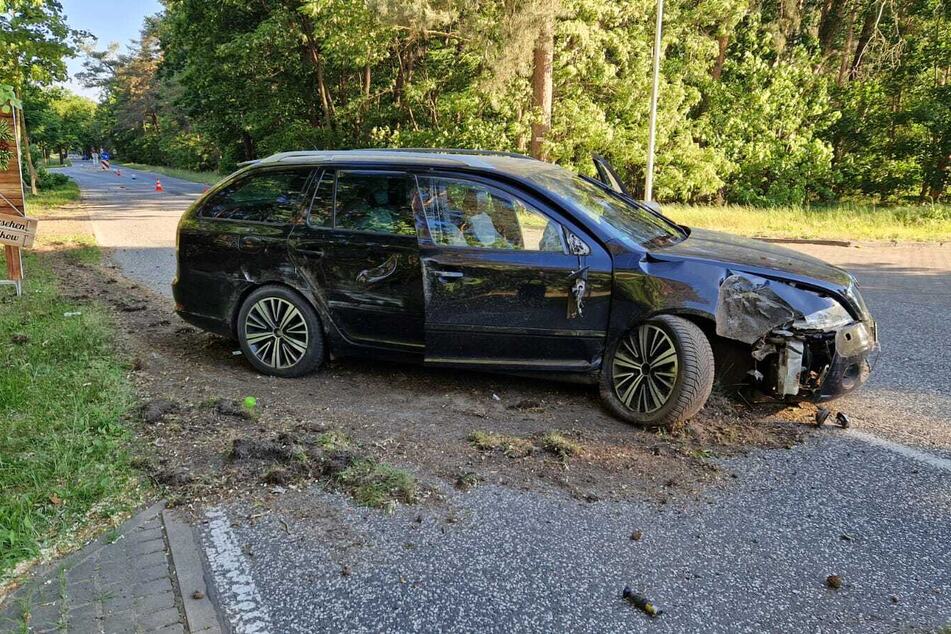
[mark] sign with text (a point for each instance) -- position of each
(17, 231)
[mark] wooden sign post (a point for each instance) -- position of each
(16, 230)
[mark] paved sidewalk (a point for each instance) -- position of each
(122, 582)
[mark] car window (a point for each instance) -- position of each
(469, 214)
(613, 212)
(322, 206)
(375, 203)
(274, 197)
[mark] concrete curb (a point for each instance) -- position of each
(200, 613)
(827, 243)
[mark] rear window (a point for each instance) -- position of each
(273, 197)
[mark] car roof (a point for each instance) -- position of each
(507, 162)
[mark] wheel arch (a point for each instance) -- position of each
(245, 293)
(732, 359)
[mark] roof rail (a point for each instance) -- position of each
(431, 150)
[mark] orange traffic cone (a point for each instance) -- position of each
(158, 186)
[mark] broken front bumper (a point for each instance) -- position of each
(821, 366)
(803, 344)
(856, 350)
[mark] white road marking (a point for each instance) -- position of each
(904, 450)
(239, 595)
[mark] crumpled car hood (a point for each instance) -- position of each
(729, 249)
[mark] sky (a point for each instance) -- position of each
(108, 20)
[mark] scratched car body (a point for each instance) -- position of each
(507, 264)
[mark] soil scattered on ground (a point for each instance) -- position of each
(445, 427)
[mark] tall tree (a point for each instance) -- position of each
(34, 42)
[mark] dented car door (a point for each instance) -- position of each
(358, 253)
(507, 283)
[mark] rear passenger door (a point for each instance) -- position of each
(359, 253)
(239, 236)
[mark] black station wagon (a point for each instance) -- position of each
(504, 263)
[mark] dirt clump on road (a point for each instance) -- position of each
(196, 439)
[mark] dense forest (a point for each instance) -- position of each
(761, 102)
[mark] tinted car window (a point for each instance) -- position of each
(469, 214)
(376, 203)
(322, 206)
(274, 197)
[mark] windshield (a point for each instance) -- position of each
(617, 215)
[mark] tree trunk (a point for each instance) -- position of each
(29, 155)
(316, 59)
(723, 41)
(849, 41)
(366, 80)
(542, 88)
(830, 23)
(872, 16)
(247, 146)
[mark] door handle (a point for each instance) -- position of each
(250, 243)
(447, 275)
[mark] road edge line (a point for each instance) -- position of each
(909, 452)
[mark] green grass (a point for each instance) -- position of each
(511, 446)
(560, 445)
(839, 222)
(64, 466)
(208, 178)
(51, 198)
(378, 485)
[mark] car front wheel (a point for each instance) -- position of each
(659, 373)
(279, 332)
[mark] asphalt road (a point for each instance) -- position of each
(872, 505)
(133, 220)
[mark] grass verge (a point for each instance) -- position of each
(838, 222)
(208, 178)
(51, 198)
(64, 466)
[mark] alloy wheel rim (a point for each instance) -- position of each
(276, 332)
(645, 369)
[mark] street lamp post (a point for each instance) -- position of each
(652, 135)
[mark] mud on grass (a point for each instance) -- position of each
(550, 435)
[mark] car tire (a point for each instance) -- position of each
(672, 386)
(279, 332)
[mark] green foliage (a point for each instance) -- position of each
(52, 197)
(7, 145)
(760, 103)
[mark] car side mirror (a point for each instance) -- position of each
(576, 246)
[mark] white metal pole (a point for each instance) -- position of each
(652, 135)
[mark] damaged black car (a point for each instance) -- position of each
(503, 263)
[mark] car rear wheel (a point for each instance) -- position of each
(659, 373)
(279, 332)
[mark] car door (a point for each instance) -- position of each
(359, 254)
(239, 237)
(508, 283)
